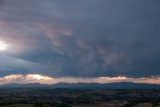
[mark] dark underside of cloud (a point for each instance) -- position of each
(84, 38)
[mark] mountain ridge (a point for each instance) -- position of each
(116, 85)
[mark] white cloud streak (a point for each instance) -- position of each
(37, 78)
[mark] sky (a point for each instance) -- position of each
(72, 41)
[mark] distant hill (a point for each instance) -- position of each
(118, 85)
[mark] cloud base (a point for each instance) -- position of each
(37, 78)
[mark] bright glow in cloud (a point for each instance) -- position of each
(37, 78)
(24, 79)
(3, 46)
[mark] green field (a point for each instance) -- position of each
(32, 105)
(19, 105)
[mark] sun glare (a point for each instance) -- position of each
(3, 46)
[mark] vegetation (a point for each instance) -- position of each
(34, 97)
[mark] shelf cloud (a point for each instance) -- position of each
(97, 39)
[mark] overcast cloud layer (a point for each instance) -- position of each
(80, 38)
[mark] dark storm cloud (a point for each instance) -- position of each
(84, 37)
